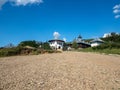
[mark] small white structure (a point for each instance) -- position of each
(106, 35)
(56, 44)
(110, 34)
(96, 42)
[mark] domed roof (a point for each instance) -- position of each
(79, 36)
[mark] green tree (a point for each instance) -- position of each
(113, 38)
(29, 43)
(65, 46)
(75, 45)
(46, 46)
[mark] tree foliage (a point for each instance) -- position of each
(75, 45)
(46, 46)
(114, 38)
(29, 43)
(111, 42)
(107, 46)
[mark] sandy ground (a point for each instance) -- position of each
(61, 71)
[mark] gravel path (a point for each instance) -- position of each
(61, 71)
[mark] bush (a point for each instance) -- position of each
(114, 37)
(50, 51)
(108, 49)
(107, 46)
(75, 45)
(9, 51)
(46, 46)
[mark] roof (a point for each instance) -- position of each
(97, 40)
(79, 36)
(56, 40)
(85, 43)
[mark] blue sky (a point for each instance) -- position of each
(39, 19)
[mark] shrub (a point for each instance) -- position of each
(75, 45)
(9, 51)
(107, 46)
(50, 51)
(46, 46)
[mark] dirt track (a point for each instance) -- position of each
(62, 71)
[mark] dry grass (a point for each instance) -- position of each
(60, 71)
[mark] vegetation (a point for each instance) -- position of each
(65, 47)
(26, 48)
(111, 45)
(9, 51)
(29, 43)
(75, 45)
(113, 38)
(46, 46)
(106, 51)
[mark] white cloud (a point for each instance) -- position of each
(25, 2)
(64, 39)
(20, 2)
(116, 11)
(56, 35)
(116, 6)
(117, 16)
(2, 2)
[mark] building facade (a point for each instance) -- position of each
(56, 44)
(96, 42)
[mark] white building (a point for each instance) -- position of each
(110, 34)
(106, 35)
(96, 42)
(56, 44)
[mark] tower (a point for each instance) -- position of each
(79, 38)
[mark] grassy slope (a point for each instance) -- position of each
(106, 51)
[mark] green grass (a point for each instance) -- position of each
(106, 51)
